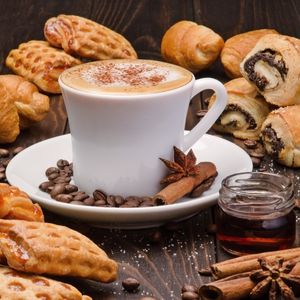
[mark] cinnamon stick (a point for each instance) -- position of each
(234, 287)
(180, 188)
(249, 262)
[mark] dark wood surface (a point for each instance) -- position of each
(162, 267)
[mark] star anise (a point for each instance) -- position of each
(274, 279)
(183, 165)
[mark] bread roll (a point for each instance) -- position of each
(273, 67)
(245, 111)
(281, 135)
(192, 46)
(237, 47)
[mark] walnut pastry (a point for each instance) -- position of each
(85, 38)
(245, 111)
(237, 47)
(40, 63)
(44, 248)
(280, 135)
(192, 46)
(273, 68)
(20, 286)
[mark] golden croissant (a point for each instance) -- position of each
(83, 37)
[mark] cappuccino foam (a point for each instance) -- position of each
(126, 76)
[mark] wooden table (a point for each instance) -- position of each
(163, 264)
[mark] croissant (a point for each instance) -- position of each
(237, 47)
(83, 37)
(273, 67)
(280, 135)
(192, 46)
(245, 111)
(40, 63)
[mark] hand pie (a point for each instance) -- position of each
(83, 37)
(40, 63)
(273, 68)
(192, 46)
(245, 111)
(31, 105)
(280, 135)
(45, 248)
(237, 47)
(19, 286)
(15, 204)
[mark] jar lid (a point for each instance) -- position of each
(255, 193)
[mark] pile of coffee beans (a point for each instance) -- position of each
(5, 157)
(59, 187)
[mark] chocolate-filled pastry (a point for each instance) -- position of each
(273, 67)
(192, 46)
(280, 135)
(245, 111)
(237, 47)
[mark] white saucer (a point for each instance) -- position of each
(26, 171)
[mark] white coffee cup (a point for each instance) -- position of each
(118, 137)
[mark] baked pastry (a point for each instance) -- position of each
(19, 286)
(237, 47)
(245, 111)
(44, 248)
(40, 63)
(83, 37)
(15, 204)
(9, 117)
(192, 46)
(273, 67)
(31, 105)
(280, 135)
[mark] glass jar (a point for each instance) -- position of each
(255, 213)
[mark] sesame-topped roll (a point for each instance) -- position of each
(273, 67)
(281, 135)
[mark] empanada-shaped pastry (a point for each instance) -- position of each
(192, 46)
(245, 111)
(31, 105)
(9, 117)
(45, 248)
(20, 286)
(237, 47)
(15, 204)
(40, 63)
(83, 37)
(273, 67)
(280, 134)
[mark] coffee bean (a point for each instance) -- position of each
(148, 298)
(189, 296)
(44, 186)
(201, 113)
(147, 203)
(119, 200)
(132, 201)
(76, 202)
(5, 162)
(2, 176)
(256, 161)
(99, 195)
(89, 201)
(77, 193)
(62, 163)
(251, 144)
(4, 153)
(111, 201)
(52, 176)
(70, 188)
(66, 198)
(57, 189)
(80, 197)
(262, 169)
(17, 150)
(2, 169)
(189, 288)
(205, 272)
(100, 202)
(51, 170)
(130, 284)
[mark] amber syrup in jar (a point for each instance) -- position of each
(255, 213)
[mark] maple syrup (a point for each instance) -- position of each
(255, 213)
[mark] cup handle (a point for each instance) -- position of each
(212, 115)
